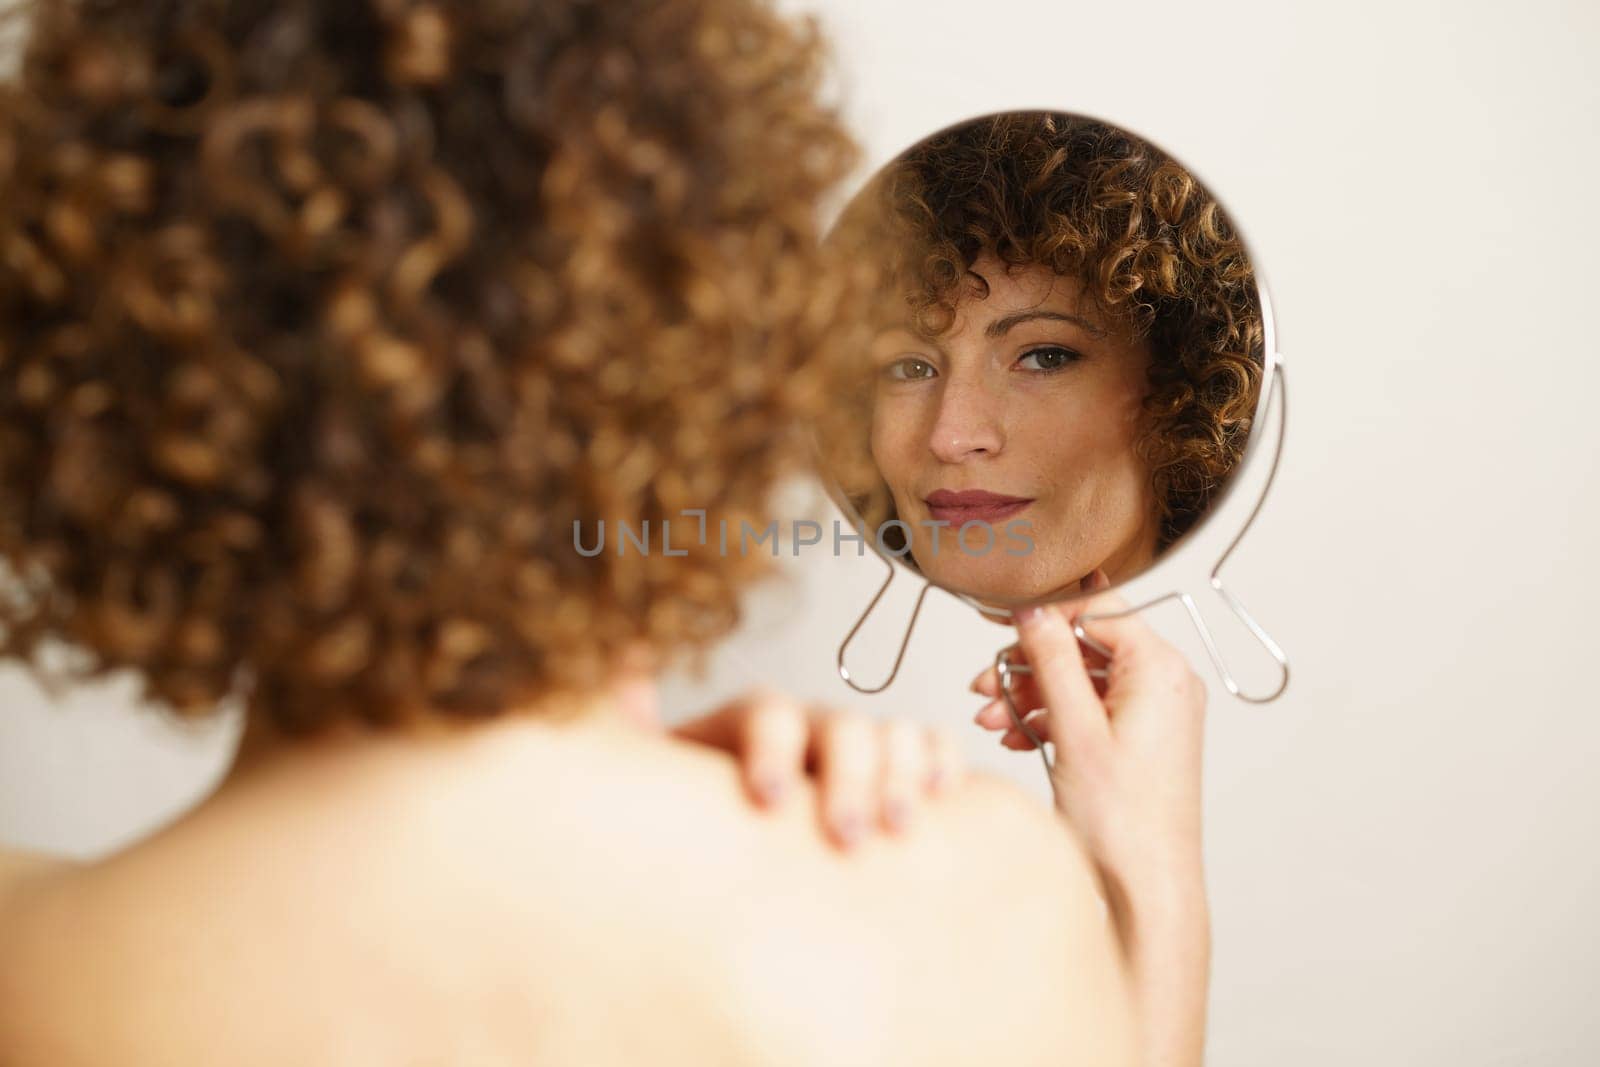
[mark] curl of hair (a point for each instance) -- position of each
(1087, 200)
(323, 324)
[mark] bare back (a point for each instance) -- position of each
(586, 895)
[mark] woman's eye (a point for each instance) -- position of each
(1049, 358)
(910, 369)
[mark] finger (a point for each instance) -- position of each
(946, 765)
(772, 747)
(765, 731)
(987, 681)
(847, 763)
(1038, 723)
(993, 716)
(905, 771)
(1079, 719)
(1019, 742)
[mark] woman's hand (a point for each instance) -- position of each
(870, 772)
(1128, 747)
(1127, 777)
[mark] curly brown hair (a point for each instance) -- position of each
(1092, 201)
(321, 324)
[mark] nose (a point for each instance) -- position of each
(968, 423)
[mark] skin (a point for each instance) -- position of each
(868, 774)
(431, 896)
(464, 810)
(1031, 393)
(1127, 776)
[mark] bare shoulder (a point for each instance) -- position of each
(976, 936)
(25, 877)
(20, 869)
(27, 881)
(507, 900)
(1004, 935)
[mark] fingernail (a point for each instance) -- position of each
(937, 781)
(849, 830)
(770, 788)
(1026, 615)
(894, 813)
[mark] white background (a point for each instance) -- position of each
(1402, 851)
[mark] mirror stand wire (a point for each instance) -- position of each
(905, 641)
(1006, 670)
(1280, 389)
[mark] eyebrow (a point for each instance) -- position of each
(1005, 322)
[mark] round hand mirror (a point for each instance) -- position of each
(1069, 361)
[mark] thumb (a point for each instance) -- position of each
(1077, 718)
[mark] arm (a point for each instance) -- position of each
(1164, 927)
(1127, 779)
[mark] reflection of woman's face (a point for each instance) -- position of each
(1023, 415)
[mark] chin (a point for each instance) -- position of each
(1003, 582)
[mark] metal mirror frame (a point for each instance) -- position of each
(1273, 386)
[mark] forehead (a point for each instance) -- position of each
(995, 292)
(999, 286)
(992, 299)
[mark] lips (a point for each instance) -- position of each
(973, 505)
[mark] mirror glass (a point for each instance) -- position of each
(1065, 360)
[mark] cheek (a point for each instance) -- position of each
(1088, 445)
(893, 439)
(1070, 432)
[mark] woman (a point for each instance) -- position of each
(320, 327)
(1068, 358)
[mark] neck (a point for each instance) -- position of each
(630, 702)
